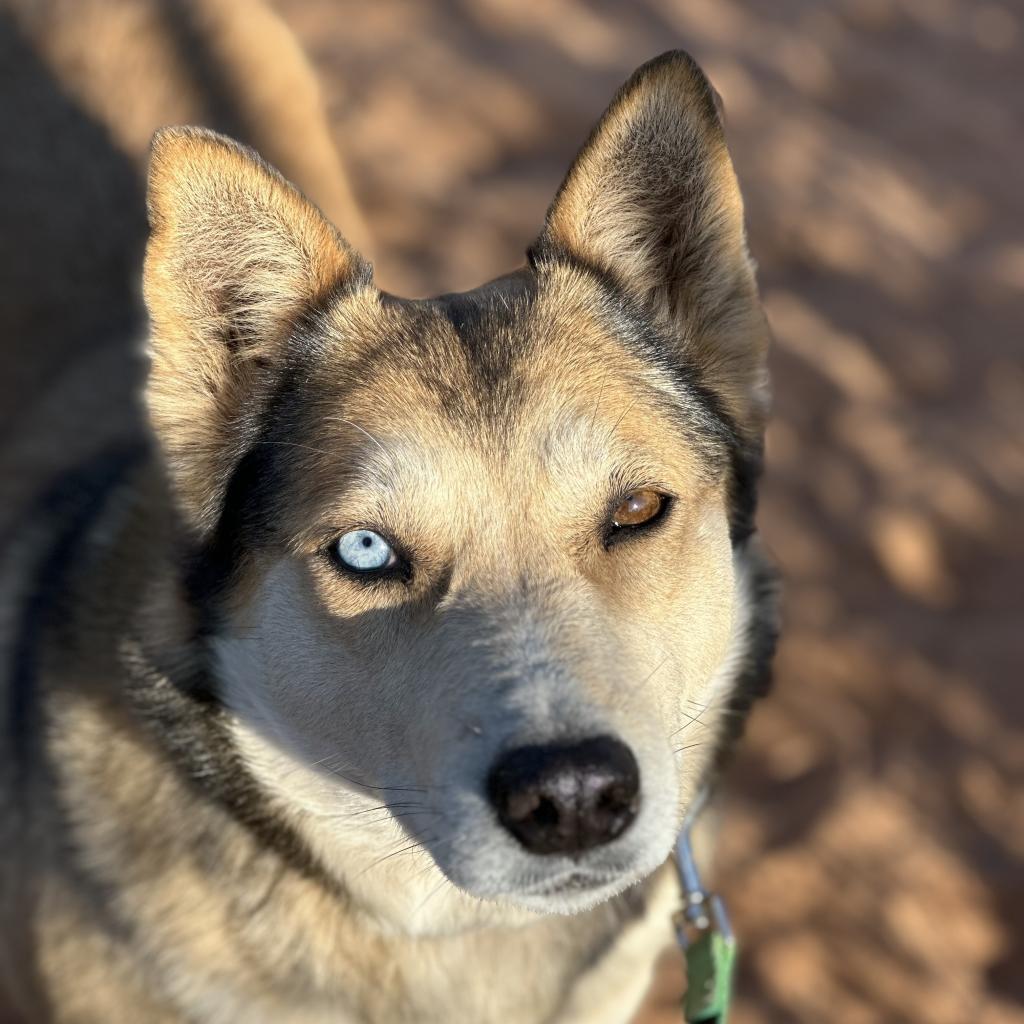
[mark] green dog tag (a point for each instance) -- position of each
(710, 962)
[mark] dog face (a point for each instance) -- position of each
(477, 561)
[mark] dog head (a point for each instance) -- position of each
(481, 561)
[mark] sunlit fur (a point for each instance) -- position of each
(275, 769)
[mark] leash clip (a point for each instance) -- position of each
(704, 935)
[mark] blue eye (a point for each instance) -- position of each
(365, 551)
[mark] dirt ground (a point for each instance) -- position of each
(872, 847)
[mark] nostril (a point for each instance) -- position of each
(566, 798)
(546, 814)
(522, 804)
(615, 796)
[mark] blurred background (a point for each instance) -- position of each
(872, 846)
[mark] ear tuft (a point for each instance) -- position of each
(236, 258)
(652, 203)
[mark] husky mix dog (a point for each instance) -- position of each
(372, 680)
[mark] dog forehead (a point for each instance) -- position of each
(479, 358)
(532, 367)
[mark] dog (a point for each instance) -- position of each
(371, 678)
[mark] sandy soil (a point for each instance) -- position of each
(872, 846)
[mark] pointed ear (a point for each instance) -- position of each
(236, 258)
(652, 202)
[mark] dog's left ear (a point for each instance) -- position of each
(652, 202)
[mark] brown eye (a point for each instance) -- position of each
(638, 508)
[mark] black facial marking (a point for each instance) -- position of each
(483, 321)
(263, 433)
(754, 677)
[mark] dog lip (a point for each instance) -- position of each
(574, 881)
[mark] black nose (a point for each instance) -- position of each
(566, 798)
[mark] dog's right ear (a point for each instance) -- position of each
(651, 203)
(236, 257)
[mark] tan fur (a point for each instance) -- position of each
(315, 847)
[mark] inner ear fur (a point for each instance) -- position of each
(236, 257)
(652, 202)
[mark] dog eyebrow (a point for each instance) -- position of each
(695, 412)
